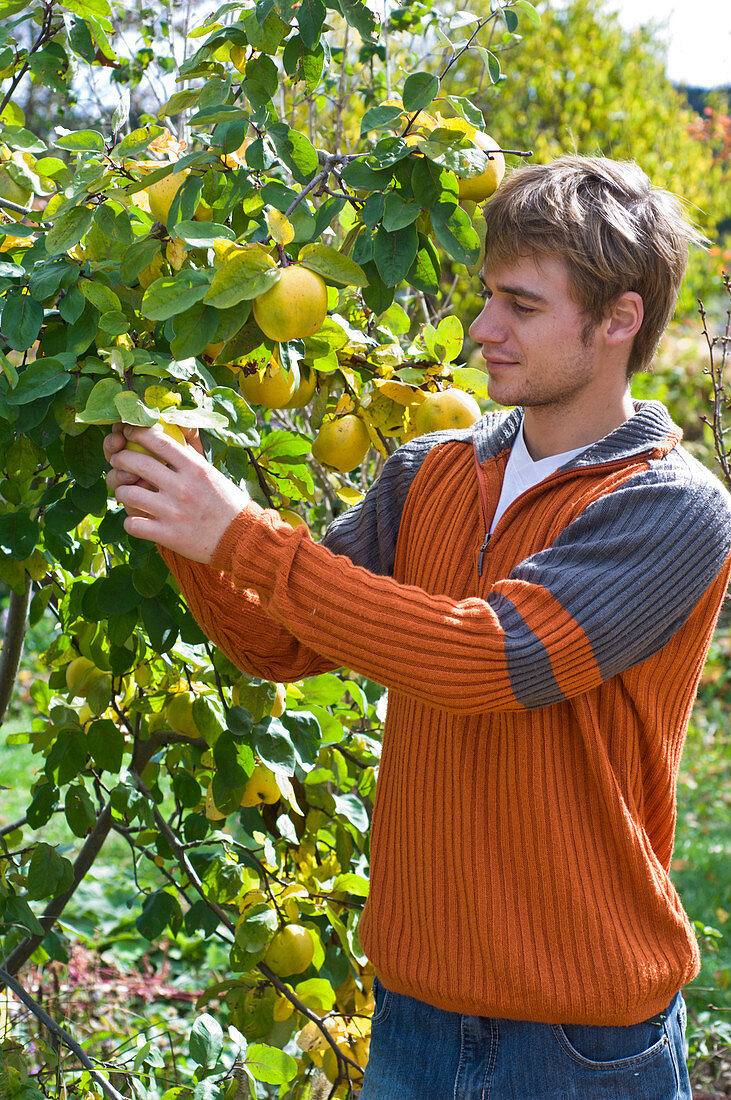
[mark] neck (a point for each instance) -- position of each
(551, 430)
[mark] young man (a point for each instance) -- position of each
(538, 593)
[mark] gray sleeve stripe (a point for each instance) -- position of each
(631, 568)
(529, 666)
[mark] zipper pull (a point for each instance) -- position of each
(481, 554)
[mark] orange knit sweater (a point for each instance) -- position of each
(540, 686)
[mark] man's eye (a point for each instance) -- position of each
(485, 293)
(525, 310)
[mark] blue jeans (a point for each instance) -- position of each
(423, 1053)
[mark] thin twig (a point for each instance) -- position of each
(59, 1033)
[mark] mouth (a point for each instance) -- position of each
(492, 363)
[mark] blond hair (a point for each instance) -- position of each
(613, 229)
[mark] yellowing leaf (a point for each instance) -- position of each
(345, 405)
(280, 227)
(400, 392)
(348, 495)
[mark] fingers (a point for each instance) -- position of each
(114, 442)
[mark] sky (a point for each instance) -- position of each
(698, 33)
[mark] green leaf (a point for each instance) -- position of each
(82, 141)
(160, 621)
(137, 141)
(100, 296)
(449, 338)
(529, 10)
(22, 318)
(349, 883)
(432, 184)
(397, 214)
(105, 741)
(206, 1041)
(274, 746)
(47, 278)
(310, 18)
(68, 230)
(511, 19)
(100, 407)
(295, 150)
(179, 101)
(161, 911)
(271, 1065)
(379, 118)
(18, 534)
(42, 805)
(79, 810)
(18, 913)
(455, 232)
(261, 74)
(419, 90)
(425, 272)
(333, 265)
(116, 593)
(358, 174)
(40, 379)
(472, 380)
(193, 330)
(305, 734)
(84, 456)
(131, 409)
(171, 294)
(359, 16)
(394, 253)
(467, 109)
(8, 370)
(49, 874)
(377, 295)
(135, 258)
(19, 138)
(243, 277)
(81, 41)
(199, 234)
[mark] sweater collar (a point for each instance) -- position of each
(649, 430)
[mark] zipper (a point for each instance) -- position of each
(481, 554)
(483, 503)
(556, 475)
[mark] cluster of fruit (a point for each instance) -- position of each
(295, 308)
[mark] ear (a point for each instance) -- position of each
(625, 318)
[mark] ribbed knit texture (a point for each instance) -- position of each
(525, 807)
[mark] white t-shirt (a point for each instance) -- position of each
(522, 473)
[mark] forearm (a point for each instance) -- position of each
(448, 653)
(235, 621)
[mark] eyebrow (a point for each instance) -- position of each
(517, 291)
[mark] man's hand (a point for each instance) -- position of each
(173, 495)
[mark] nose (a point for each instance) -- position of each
(487, 327)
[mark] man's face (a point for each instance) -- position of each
(538, 348)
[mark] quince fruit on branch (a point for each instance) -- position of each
(452, 408)
(295, 307)
(342, 444)
(482, 186)
(273, 388)
(172, 430)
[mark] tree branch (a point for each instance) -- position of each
(91, 848)
(60, 1034)
(13, 644)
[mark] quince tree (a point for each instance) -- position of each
(260, 260)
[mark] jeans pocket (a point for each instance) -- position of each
(382, 998)
(613, 1048)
